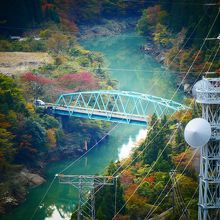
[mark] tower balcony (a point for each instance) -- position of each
(207, 91)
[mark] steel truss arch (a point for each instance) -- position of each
(115, 106)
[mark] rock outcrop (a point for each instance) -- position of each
(106, 28)
(19, 185)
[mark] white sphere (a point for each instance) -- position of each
(197, 132)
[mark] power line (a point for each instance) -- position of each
(155, 122)
(161, 114)
(194, 59)
(172, 98)
(67, 167)
(197, 25)
(213, 59)
(168, 142)
(79, 158)
(113, 174)
(181, 200)
(85, 183)
(171, 188)
(174, 93)
(190, 200)
(44, 196)
(151, 168)
(186, 148)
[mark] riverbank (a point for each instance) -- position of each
(118, 26)
(72, 137)
(107, 28)
(22, 181)
(184, 84)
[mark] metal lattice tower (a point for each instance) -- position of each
(207, 93)
(179, 205)
(87, 185)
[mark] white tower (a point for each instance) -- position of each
(207, 93)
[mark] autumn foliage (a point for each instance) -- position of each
(126, 177)
(149, 179)
(46, 6)
(51, 137)
(183, 159)
(40, 85)
(31, 77)
(78, 81)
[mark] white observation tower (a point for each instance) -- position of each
(197, 134)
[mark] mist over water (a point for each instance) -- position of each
(134, 71)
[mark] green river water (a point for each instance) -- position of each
(134, 71)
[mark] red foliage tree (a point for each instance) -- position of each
(36, 83)
(30, 77)
(126, 177)
(78, 81)
(149, 179)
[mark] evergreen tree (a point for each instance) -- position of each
(105, 198)
(156, 141)
(17, 15)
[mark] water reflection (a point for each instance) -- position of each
(126, 148)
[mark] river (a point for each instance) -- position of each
(134, 71)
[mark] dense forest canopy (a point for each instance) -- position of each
(18, 15)
(186, 14)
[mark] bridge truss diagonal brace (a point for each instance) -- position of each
(114, 106)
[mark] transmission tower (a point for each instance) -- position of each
(177, 199)
(207, 93)
(87, 186)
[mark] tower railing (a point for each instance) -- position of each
(207, 93)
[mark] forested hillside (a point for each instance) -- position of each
(178, 31)
(30, 138)
(17, 16)
(145, 185)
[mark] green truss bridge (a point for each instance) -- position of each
(114, 106)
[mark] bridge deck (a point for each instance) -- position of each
(96, 114)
